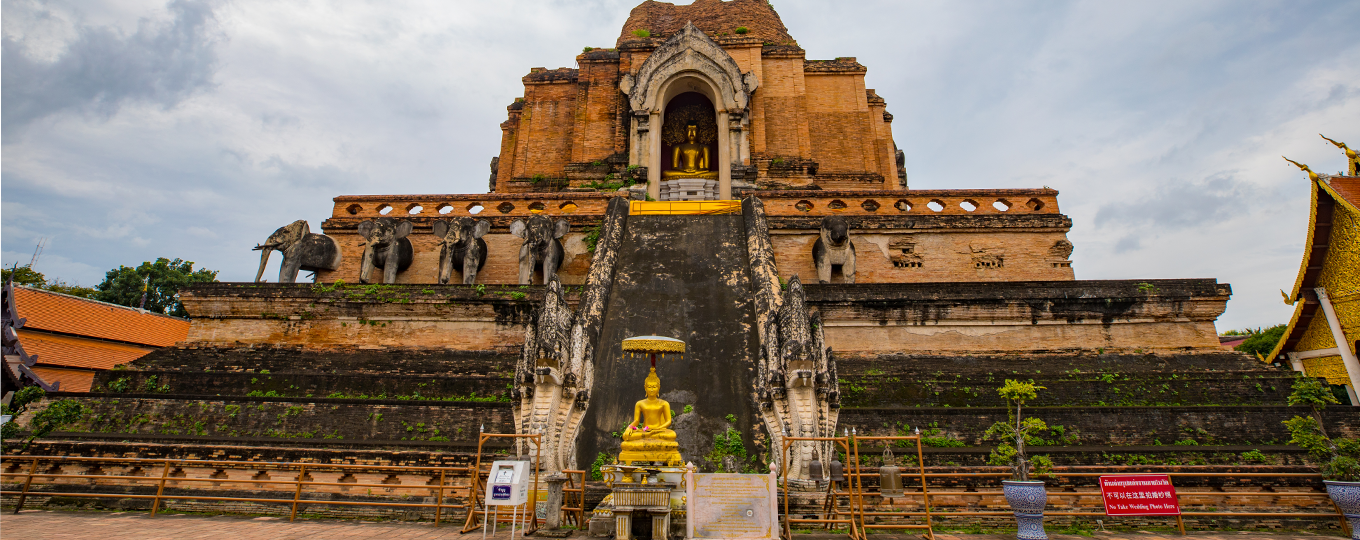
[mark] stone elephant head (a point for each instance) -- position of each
(541, 246)
(386, 247)
(834, 248)
(461, 246)
(301, 250)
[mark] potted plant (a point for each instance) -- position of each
(1340, 468)
(1027, 497)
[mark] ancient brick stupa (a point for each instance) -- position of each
(815, 291)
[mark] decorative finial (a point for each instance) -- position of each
(1311, 175)
(1352, 157)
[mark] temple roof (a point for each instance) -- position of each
(1330, 196)
(714, 17)
(60, 313)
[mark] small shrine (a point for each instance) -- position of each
(646, 478)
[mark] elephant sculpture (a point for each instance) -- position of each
(461, 246)
(385, 247)
(541, 246)
(834, 248)
(301, 249)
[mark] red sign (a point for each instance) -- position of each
(1139, 495)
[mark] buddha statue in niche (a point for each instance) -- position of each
(690, 159)
(649, 438)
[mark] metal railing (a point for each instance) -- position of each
(938, 512)
(441, 491)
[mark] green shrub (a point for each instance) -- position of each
(1254, 456)
(742, 30)
(592, 238)
(601, 460)
(1307, 432)
(642, 33)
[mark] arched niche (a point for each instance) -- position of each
(688, 62)
(682, 110)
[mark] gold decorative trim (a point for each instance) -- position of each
(653, 344)
(682, 208)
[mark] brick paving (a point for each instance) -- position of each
(63, 525)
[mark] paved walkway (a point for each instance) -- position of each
(61, 525)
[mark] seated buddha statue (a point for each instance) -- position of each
(649, 437)
(690, 159)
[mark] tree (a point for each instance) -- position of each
(1012, 434)
(29, 277)
(162, 280)
(1263, 341)
(1339, 457)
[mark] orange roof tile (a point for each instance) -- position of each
(70, 351)
(55, 312)
(72, 380)
(1348, 187)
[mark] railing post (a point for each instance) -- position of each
(297, 494)
(925, 489)
(156, 504)
(439, 500)
(29, 481)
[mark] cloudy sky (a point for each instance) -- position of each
(138, 129)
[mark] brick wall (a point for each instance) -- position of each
(1156, 315)
(453, 316)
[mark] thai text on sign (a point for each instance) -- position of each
(1139, 495)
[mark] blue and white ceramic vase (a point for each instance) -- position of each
(1027, 500)
(1346, 495)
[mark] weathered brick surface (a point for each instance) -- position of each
(974, 318)
(357, 359)
(454, 316)
(1029, 236)
(307, 383)
(812, 113)
(1080, 379)
(1112, 426)
(313, 421)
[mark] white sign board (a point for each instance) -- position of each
(508, 485)
(729, 506)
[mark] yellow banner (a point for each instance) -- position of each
(676, 208)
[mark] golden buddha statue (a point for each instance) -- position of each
(690, 159)
(649, 437)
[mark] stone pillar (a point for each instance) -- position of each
(724, 158)
(654, 156)
(554, 517)
(623, 525)
(661, 524)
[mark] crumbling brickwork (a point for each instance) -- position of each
(811, 122)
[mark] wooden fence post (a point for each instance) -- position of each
(302, 471)
(156, 505)
(439, 500)
(28, 482)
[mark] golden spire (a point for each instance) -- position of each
(1352, 159)
(1311, 175)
